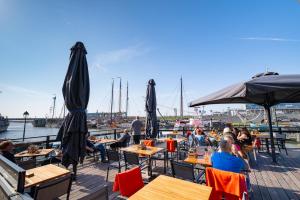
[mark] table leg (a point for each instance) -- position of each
(267, 144)
(150, 167)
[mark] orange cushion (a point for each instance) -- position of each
(149, 143)
(128, 182)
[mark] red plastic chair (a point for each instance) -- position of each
(128, 182)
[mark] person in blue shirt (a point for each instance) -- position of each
(227, 160)
(224, 159)
(201, 137)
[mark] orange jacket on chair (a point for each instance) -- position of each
(128, 182)
(232, 185)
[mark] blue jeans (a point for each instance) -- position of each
(101, 149)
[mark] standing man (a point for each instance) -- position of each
(136, 127)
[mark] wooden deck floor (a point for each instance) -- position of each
(269, 181)
(277, 181)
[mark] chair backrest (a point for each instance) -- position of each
(131, 158)
(226, 184)
(171, 145)
(112, 155)
(12, 179)
(149, 143)
(14, 175)
(27, 164)
(101, 194)
(182, 170)
(128, 182)
(54, 189)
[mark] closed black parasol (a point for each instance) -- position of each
(266, 90)
(76, 92)
(151, 118)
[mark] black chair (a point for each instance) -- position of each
(184, 171)
(280, 142)
(54, 189)
(114, 161)
(133, 159)
(27, 164)
(101, 194)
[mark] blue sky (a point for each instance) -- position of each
(211, 43)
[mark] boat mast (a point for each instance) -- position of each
(112, 101)
(127, 99)
(181, 99)
(120, 94)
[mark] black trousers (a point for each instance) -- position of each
(136, 139)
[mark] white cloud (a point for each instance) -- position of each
(24, 91)
(105, 59)
(270, 39)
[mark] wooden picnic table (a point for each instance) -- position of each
(43, 174)
(40, 152)
(169, 188)
(200, 161)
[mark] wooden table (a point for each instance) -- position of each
(42, 152)
(171, 133)
(103, 141)
(193, 160)
(148, 152)
(43, 174)
(179, 140)
(169, 188)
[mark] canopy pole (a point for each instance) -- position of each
(267, 109)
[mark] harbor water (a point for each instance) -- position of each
(15, 130)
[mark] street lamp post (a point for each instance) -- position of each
(25, 115)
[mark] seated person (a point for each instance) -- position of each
(213, 137)
(224, 159)
(227, 161)
(6, 148)
(236, 147)
(244, 137)
(123, 141)
(91, 147)
(201, 137)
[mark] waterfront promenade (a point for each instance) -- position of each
(269, 181)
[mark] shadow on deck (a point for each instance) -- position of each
(269, 181)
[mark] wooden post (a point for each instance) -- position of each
(47, 142)
(115, 134)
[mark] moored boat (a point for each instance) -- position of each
(39, 122)
(3, 123)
